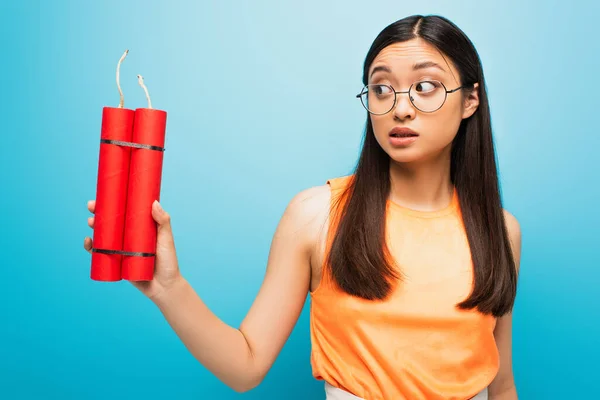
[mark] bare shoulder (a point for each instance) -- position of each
(312, 199)
(310, 211)
(309, 208)
(514, 234)
(513, 226)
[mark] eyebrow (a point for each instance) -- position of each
(417, 66)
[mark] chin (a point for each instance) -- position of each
(405, 155)
(417, 151)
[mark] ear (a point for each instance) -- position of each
(471, 102)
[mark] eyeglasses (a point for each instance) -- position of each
(427, 96)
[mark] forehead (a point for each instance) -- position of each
(401, 57)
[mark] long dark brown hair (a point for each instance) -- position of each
(359, 258)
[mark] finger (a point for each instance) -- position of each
(91, 205)
(87, 244)
(91, 221)
(165, 245)
(163, 219)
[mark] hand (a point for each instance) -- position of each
(166, 267)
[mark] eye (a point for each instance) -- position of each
(381, 90)
(427, 87)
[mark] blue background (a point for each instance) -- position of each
(260, 102)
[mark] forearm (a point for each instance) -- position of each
(220, 348)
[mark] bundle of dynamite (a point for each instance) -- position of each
(129, 179)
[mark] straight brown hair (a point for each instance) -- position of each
(359, 258)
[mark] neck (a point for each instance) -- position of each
(423, 186)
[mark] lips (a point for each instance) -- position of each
(402, 132)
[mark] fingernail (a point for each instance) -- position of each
(158, 205)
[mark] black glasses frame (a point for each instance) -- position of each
(396, 93)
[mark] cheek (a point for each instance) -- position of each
(381, 128)
(437, 129)
(443, 127)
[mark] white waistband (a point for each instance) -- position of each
(333, 393)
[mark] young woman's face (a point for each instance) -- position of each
(435, 130)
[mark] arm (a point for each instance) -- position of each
(503, 387)
(242, 357)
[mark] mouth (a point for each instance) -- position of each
(402, 137)
(402, 133)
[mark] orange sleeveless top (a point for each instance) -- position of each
(415, 344)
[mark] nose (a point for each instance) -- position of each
(404, 108)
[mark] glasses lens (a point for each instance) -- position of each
(428, 96)
(377, 99)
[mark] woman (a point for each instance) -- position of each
(410, 262)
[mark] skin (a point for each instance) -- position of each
(420, 172)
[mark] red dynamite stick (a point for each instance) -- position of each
(111, 190)
(145, 176)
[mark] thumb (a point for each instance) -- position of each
(161, 217)
(163, 220)
(165, 245)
